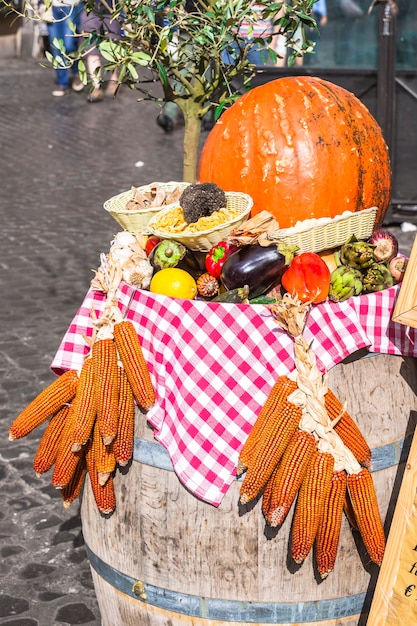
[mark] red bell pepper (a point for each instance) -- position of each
(150, 244)
(216, 257)
(307, 278)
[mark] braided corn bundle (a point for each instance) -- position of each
(91, 412)
(91, 419)
(321, 461)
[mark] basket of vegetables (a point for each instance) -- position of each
(134, 208)
(203, 216)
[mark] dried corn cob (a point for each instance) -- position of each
(271, 446)
(310, 503)
(365, 506)
(66, 460)
(124, 442)
(71, 491)
(85, 406)
(48, 446)
(103, 494)
(279, 393)
(287, 480)
(106, 385)
(349, 512)
(131, 356)
(268, 492)
(348, 430)
(46, 404)
(328, 533)
(104, 459)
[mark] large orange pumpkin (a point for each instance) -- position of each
(303, 148)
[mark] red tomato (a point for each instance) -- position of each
(307, 278)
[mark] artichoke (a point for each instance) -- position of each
(344, 282)
(376, 278)
(357, 254)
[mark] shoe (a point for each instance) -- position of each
(112, 87)
(96, 95)
(165, 122)
(76, 84)
(59, 92)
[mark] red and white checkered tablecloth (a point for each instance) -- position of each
(213, 365)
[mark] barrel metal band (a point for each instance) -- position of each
(229, 610)
(383, 457)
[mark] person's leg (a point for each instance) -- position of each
(59, 30)
(93, 62)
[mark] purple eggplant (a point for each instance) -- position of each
(258, 267)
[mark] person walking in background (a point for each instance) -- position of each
(262, 28)
(99, 21)
(320, 16)
(63, 14)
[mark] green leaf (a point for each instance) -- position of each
(163, 77)
(82, 71)
(132, 69)
(140, 57)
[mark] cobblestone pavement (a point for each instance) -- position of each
(60, 159)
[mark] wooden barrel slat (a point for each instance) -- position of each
(182, 549)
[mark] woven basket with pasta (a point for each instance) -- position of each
(203, 240)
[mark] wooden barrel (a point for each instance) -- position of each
(164, 558)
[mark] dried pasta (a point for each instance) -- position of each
(173, 221)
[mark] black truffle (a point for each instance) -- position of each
(200, 200)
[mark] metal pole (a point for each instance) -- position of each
(385, 106)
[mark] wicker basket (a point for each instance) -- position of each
(136, 221)
(330, 235)
(205, 239)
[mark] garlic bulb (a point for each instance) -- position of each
(137, 272)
